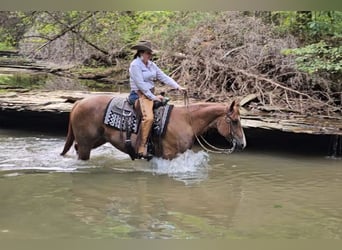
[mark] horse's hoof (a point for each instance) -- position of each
(148, 157)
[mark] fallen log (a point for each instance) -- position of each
(8, 53)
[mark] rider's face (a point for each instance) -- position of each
(147, 55)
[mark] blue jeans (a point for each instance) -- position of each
(133, 96)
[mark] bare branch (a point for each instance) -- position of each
(72, 29)
(232, 50)
(65, 31)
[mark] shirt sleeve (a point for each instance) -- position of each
(161, 76)
(137, 77)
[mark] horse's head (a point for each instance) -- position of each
(229, 126)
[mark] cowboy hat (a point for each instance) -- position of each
(143, 45)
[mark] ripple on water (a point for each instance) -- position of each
(243, 195)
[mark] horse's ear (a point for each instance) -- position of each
(231, 108)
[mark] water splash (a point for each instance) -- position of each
(35, 154)
(189, 167)
(41, 154)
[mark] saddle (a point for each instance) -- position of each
(121, 115)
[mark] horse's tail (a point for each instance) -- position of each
(69, 140)
(70, 136)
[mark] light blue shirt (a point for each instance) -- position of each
(142, 77)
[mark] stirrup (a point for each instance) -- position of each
(148, 156)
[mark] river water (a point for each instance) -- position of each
(198, 195)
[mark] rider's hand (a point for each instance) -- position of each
(183, 90)
(159, 98)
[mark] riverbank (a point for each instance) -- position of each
(48, 111)
(255, 113)
(32, 105)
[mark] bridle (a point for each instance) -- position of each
(204, 143)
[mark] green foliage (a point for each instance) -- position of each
(13, 26)
(318, 31)
(325, 23)
(309, 26)
(320, 35)
(6, 40)
(130, 26)
(22, 81)
(174, 31)
(318, 57)
(6, 46)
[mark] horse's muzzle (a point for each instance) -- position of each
(239, 145)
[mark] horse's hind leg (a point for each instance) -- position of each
(99, 142)
(83, 152)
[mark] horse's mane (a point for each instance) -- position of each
(201, 105)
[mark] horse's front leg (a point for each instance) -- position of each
(174, 145)
(169, 153)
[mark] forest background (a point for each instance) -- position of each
(274, 60)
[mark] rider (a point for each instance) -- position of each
(143, 72)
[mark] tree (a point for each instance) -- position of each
(13, 26)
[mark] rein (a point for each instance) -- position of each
(212, 148)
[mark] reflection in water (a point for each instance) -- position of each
(243, 195)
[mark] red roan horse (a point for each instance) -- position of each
(86, 127)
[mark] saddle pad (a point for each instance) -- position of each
(161, 119)
(120, 114)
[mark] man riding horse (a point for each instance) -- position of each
(143, 72)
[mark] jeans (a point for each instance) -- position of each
(133, 96)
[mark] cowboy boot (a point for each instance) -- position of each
(145, 132)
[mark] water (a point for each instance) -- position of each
(243, 195)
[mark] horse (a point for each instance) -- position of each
(186, 123)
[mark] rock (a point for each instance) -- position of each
(40, 108)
